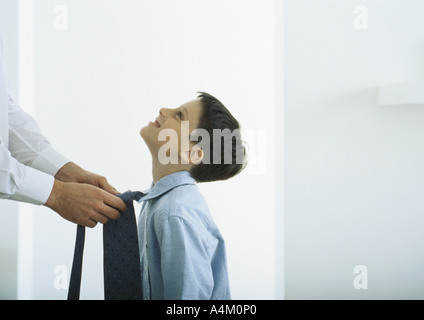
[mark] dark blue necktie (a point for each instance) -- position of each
(121, 256)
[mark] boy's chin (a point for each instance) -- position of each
(149, 139)
(144, 133)
(141, 132)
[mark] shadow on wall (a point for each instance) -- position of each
(365, 96)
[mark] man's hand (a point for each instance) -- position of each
(84, 204)
(84, 197)
(71, 172)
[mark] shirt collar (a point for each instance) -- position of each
(167, 183)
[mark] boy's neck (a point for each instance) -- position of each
(162, 170)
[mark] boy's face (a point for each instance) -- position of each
(172, 119)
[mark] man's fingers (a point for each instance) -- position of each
(115, 202)
(104, 184)
(109, 212)
(91, 219)
(101, 217)
(89, 223)
(84, 204)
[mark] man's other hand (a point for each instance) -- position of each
(84, 204)
(71, 172)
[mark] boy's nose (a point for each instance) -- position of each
(163, 112)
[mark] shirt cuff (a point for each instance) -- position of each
(35, 188)
(49, 161)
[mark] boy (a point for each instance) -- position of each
(182, 251)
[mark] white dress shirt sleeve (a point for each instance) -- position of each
(28, 145)
(28, 162)
(22, 183)
(37, 161)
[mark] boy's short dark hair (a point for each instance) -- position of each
(216, 116)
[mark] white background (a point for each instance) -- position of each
(9, 209)
(344, 176)
(354, 175)
(101, 79)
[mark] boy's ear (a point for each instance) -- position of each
(196, 155)
(193, 156)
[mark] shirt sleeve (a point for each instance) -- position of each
(185, 262)
(28, 145)
(21, 183)
(27, 160)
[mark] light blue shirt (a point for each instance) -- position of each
(182, 251)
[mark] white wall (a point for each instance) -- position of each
(9, 209)
(105, 75)
(354, 170)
